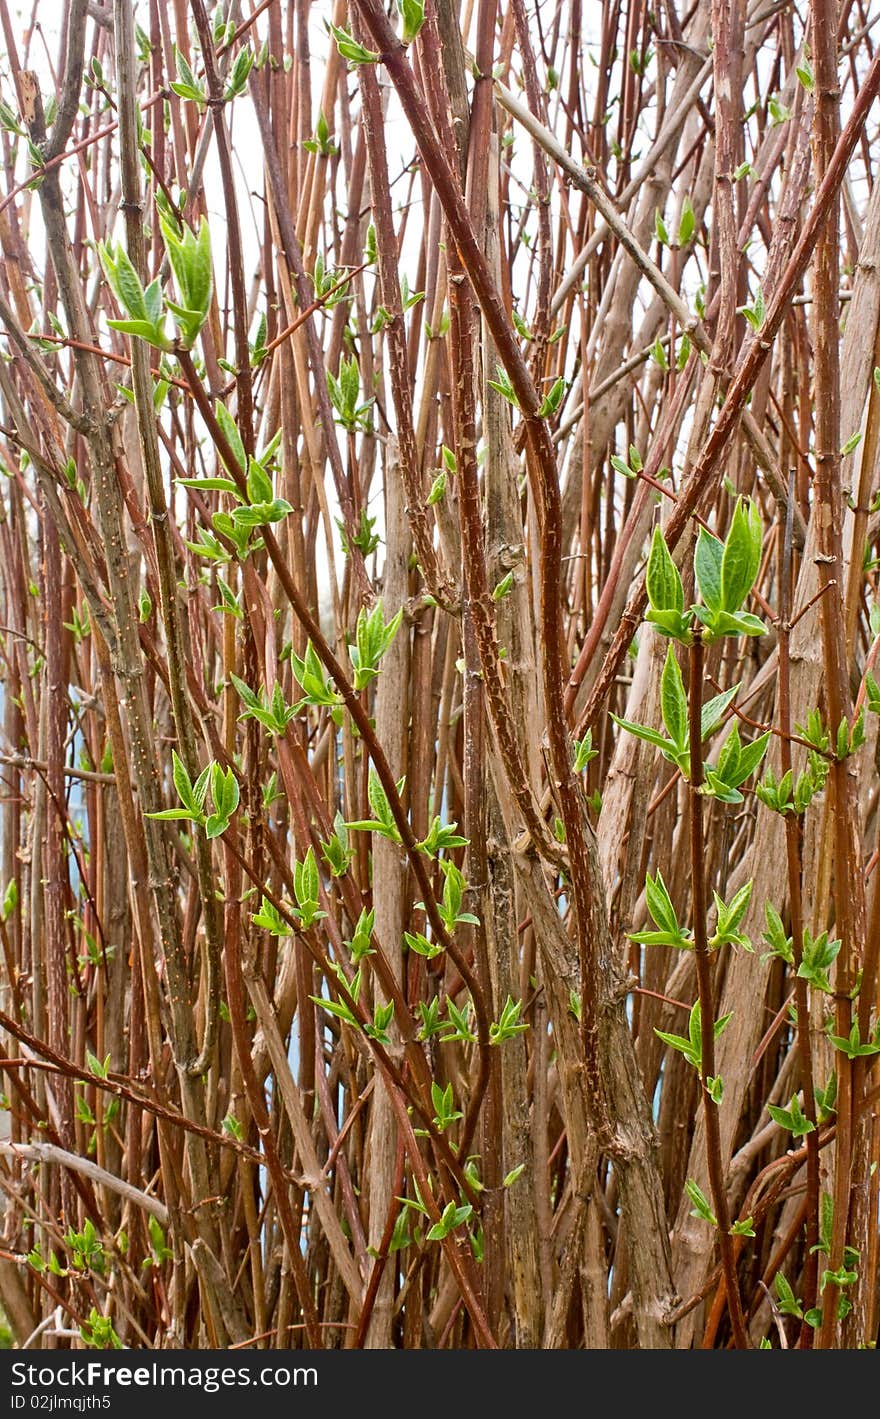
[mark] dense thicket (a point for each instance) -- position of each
(438, 560)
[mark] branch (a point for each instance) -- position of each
(51, 1153)
(68, 104)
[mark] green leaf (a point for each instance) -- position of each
(826, 1099)
(10, 900)
(743, 1228)
(729, 917)
(207, 485)
(441, 837)
(360, 944)
(350, 49)
(190, 92)
(412, 13)
(189, 255)
(552, 399)
(127, 286)
(727, 767)
(509, 1023)
(818, 954)
(200, 787)
(268, 918)
(153, 301)
(673, 701)
(702, 1207)
(458, 1025)
(378, 800)
(695, 1029)
(751, 756)
(805, 75)
(659, 355)
(184, 72)
(233, 438)
(708, 559)
(430, 1016)
(679, 1043)
(687, 222)
(502, 384)
(170, 814)
(788, 1305)
(715, 1087)
(741, 557)
(651, 736)
(421, 945)
(99, 1070)
(182, 784)
(721, 1023)
(144, 329)
(672, 624)
(337, 1008)
(714, 710)
(743, 624)
(451, 1218)
(852, 1045)
(244, 61)
(259, 484)
(792, 1119)
(584, 752)
(224, 791)
(663, 581)
(659, 904)
(336, 851)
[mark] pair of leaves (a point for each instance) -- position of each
(383, 823)
(725, 574)
(789, 795)
(445, 1111)
(344, 393)
(692, 1046)
(509, 1023)
(659, 904)
(440, 837)
(335, 851)
(143, 307)
(189, 254)
(793, 1118)
(193, 797)
(272, 712)
(736, 764)
(317, 689)
(307, 890)
(851, 1045)
(372, 638)
(818, 954)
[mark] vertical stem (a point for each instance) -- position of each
(702, 957)
(237, 997)
(794, 861)
(849, 891)
(54, 866)
(142, 388)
